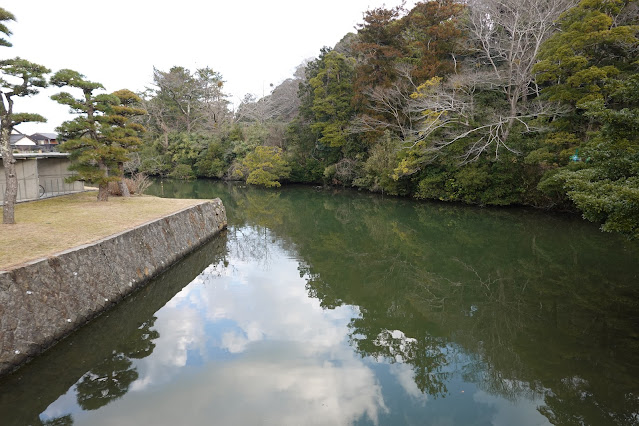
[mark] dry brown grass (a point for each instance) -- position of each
(49, 226)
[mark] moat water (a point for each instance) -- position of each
(333, 307)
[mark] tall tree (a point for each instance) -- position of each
(432, 34)
(332, 93)
(190, 101)
(18, 78)
(397, 51)
(94, 158)
(591, 66)
(213, 107)
(119, 128)
(179, 91)
(378, 47)
(474, 112)
(506, 36)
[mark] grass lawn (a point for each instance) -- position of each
(49, 226)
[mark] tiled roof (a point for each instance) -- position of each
(17, 137)
(43, 136)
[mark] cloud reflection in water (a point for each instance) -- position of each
(263, 343)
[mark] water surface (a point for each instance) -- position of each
(337, 308)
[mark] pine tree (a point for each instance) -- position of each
(119, 129)
(93, 156)
(18, 78)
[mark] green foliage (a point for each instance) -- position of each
(265, 166)
(208, 155)
(591, 66)
(252, 136)
(182, 171)
(379, 167)
(606, 189)
(5, 15)
(591, 48)
(306, 167)
(30, 77)
(211, 162)
(482, 182)
(264, 178)
(153, 162)
(332, 92)
(98, 140)
(25, 117)
(117, 125)
(18, 78)
(614, 203)
(311, 171)
(91, 160)
(71, 78)
(183, 148)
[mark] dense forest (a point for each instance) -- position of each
(487, 102)
(527, 102)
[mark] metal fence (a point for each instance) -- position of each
(51, 187)
(38, 188)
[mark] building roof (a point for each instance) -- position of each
(44, 136)
(21, 139)
(14, 138)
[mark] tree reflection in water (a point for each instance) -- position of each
(521, 304)
(97, 362)
(66, 420)
(110, 379)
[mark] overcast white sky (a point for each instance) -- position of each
(251, 43)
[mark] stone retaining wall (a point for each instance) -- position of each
(45, 300)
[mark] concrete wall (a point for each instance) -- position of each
(45, 300)
(27, 172)
(51, 175)
(35, 171)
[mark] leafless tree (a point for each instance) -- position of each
(282, 104)
(507, 35)
(393, 102)
(156, 116)
(504, 39)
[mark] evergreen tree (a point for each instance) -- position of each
(606, 189)
(94, 157)
(118, 128)
(591, 66)
(332, 93)
(5, 16)
(264, 167)
(18, 78)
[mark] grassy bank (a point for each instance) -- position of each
(49, 226)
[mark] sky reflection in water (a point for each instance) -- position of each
(244, 345)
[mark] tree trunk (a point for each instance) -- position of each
(165, 134)
(513, 100)
(11, 179)
(103, 192)
(103, 188)
(124, 190)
